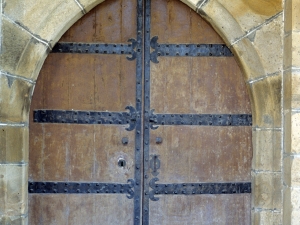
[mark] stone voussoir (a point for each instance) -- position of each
(14, 107)
(54, 17)
(265, 95)
(21, 53)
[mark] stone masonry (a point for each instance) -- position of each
(265, 38)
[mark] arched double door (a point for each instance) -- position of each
(140, 116)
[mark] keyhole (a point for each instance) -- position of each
(121, 163)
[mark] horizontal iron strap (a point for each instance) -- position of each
(198, 188)
(86, 117)
(202, 119)
(65, 47)
(96, 48)
(191, 50)
(203, 188)
(81, 117)
(80, 188)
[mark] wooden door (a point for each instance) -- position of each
(201, 146)
(140, 116)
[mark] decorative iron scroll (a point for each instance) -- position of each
(197, 188)
(81, 188)
(97, 48)
(87, 117)
(200, 119)
(191, 50)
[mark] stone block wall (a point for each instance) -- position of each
(265, 38)
(291, 109)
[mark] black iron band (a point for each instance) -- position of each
(87, 117)
(138, 105)
(146, 132)
(190, 50)
(97, 48)
(81, 188)
(197, 188)
(201, 119)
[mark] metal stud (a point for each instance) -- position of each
(125, 140)
(158, 140)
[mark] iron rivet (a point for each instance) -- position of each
(125, 140)
(158, 140)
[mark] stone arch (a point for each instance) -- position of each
(29, 30)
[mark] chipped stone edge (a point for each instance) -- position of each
(258, 79)
(80, 6)
(266, 129)
(254, 29)
(266, 210)
(266, 172)
(17, 77)
(13, 124)
(14, 164)
(200, 4)
(24, 28)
